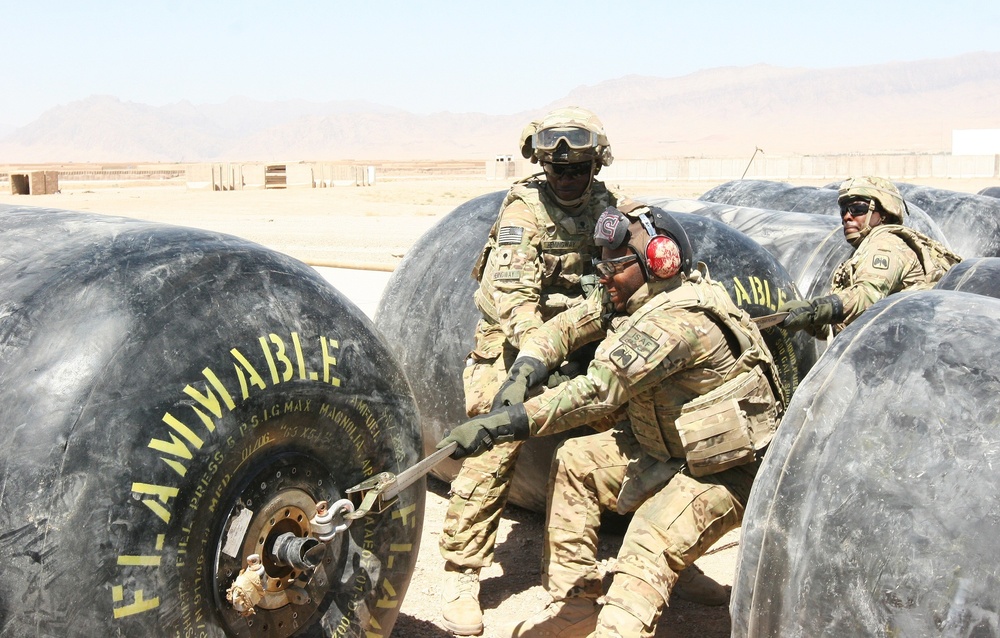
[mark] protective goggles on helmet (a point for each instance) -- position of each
(857, 207)
(612, 267)
(576, 137)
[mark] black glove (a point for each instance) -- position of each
(480, 433)
(810, 314)
(524, 374)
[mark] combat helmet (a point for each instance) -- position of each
(566, 136)
(878, 189)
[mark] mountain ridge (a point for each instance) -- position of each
(725, 111)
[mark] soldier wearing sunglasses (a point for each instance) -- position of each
(888, 258)
(538, 255)
(693, 383)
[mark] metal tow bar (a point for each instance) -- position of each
(379, 492)
(769, 320)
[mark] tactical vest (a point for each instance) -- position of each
(934, 257)
(724, 426)
(567, 246)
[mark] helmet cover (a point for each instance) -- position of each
(878, 189)
(568, 135)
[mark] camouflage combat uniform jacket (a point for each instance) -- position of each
(528, 272)
(891, 259)
(674, 348)
(687, 363)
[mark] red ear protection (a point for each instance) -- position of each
(663, 257)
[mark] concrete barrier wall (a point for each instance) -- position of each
(252, 176)
(803, 167)
(34, 183)
(506, 168)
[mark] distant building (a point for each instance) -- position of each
(977, 141)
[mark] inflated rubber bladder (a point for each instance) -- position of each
(874, 512)
(971, 222)
(427, 316)
(817, 200)
(810, 247)
(980, 275)
(171, 402)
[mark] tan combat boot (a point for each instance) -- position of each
(615, 622)
(693, 585)
(567, 618)
(461, 613)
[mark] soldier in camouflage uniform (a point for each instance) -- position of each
(888, 258)
(701, 402)
(536, 259)
(530, 269)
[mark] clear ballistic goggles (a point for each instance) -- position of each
(547, 139)
(610, 267)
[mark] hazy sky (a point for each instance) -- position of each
(428, 56)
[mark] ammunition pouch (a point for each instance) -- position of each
(728, 426)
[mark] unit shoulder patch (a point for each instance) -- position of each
(880, 262)
(640, 342)
(622, 356)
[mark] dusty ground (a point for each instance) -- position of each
(511, 588)
(372, 227)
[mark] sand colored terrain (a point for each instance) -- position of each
(373, 227)
(350, 226)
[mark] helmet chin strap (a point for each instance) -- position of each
(855, 238)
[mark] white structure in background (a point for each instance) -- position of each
(975, 141)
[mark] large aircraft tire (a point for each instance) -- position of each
(173, 401)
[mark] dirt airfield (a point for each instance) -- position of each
(372, 228)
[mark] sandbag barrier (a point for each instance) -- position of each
(174, 401)
(428, 318)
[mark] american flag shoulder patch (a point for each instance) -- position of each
(510, 235)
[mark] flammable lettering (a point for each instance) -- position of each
(209, 402)
(759, 293)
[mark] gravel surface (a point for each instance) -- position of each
(511, 588)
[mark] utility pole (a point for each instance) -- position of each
(757, 149)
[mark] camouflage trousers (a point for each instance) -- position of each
(673, 524)
(478, 496)
(479, 492)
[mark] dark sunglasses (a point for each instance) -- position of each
(855, 208)
(569, 171)
(612, 267)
